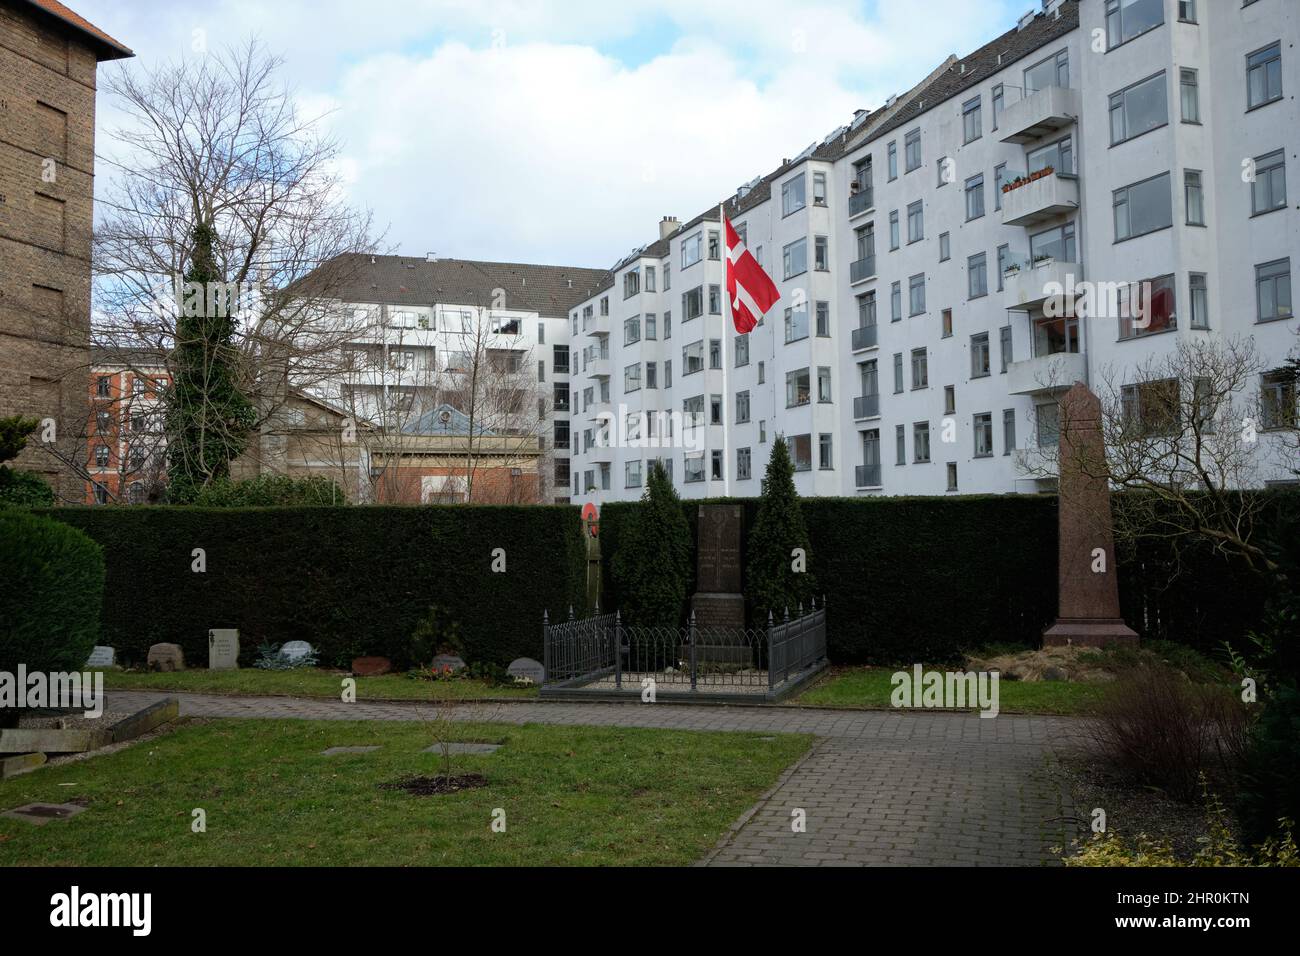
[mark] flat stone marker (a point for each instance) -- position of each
(448, 660)
(166, 657)
(461, 748)
(335, 751)
(223, 649)
(297, 650)
(101, 656)
(40, 814)
(527, 667)
(371, 666)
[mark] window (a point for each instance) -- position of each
(668, 274)
(1273, 290)
(920, 369)
(604, 306)
(900, 444)
(742, 407)
(651, 326)
(761, 373)
(945, 168)
(101, 494)
(1008, 431)
(715, 409)
(1143, 208)
(916, 294)
(796, 324)
(715, 300)
(1058, 156)
(1054, 71)
(893, 230)
(1004, 346)
(632, 378)
(560, 358)
(952, 476)
(762, 432)
(824, 384)
(743, 464)
(1187, 10)
(694, 468)
(715, 250)
(977, 276)
(632, 330)
(1189, 96)
(1047, 424)
(825, 451)
(692, 305)
(1004, 260)
(1277, 399)
(541, 370)
(945, 247)
(742, 350)
(898, 373)
(651, 374)
(999, 178)
(984, 435)
(893, 160)
(824, 319)
(1200, 301)
(1126, 19)
(999, 103)
(101, 456)
(1146, 308)
(979, 355)
(693, 411)
(971, 123)
(819, 189)
(921, 442)
(1264, 76)
(650, 278)
(631, 282)
(912, 150)
(632, 474)
(795, 258)
(692, 249)
(1268, 191)
(715, 353)
(1150, 408)
(821, 254)
(915, 222)
(947, 323)
(1193, 197)
(1138, 109)
(896, 302)
(668, 374)
(693, 358)
(798, 390)
(975, 197)
(792, 195)
(949, 399)
(801, 452)
(668, 325)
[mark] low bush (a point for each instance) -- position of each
(1270, 777)
(266, 491)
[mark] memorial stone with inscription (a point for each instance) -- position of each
(223, 649)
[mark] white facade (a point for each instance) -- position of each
(978, 361)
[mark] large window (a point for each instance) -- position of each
(977, 276)
(1056, 243)
(915, 222)
(1143, 207)
(1138, 109)
(798, 388)
(1053, 336)
(1150, 408)
(1277, 399)
(692, 249)
(974, 197)
(912, 150)
(1273, 290)
(983, 425)
(693, 358)
(1194, 197)
(971, 121)
(916, 294)
(979, 355)
(1189, 95)
(1054, 71)
(920, 369)
(632, 378)
(1264, 76)
(1268, 191)
(1058, 156)
(632, 330)
(1126, 19)
(921, 442)
(795, 258)
(793, 195)
(796, 324)
(1146, 308)
(631, 282)
(692, 305)
(801, 452)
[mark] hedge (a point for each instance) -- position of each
(350, 581)
(924, 578)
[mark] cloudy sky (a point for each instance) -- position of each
(561, 131)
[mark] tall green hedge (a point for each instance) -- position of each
(925, 578)
(351, 581)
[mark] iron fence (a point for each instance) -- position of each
(601, 655)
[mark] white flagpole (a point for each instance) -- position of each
(726, 352)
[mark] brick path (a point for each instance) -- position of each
(877, 788)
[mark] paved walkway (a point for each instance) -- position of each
(877, 788)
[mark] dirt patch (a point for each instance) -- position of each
(1048, 664)
(432, 786)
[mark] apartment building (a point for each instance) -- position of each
(125, 445)
(930, 254)
(49, 58)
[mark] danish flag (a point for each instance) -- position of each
(751, 290)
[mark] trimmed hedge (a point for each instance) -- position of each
(924, 578)
(51, 586)
(351, 581)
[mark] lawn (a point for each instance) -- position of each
(589, 796)
(309, 682)
(871, 687)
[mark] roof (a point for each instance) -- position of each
(105, 46)
(443, 420)
(115, 356)
(409, 280)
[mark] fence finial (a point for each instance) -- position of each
(570, 612)
(813, 601)
(597, 607)
(618, 617)
(769, 618)
(823, 600)
(787, 612)
(546, 617)
(801, 608)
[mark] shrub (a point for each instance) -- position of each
(653, 559)
(435, 633)
(51, 589)
(773, 584)
(1167, 732)
(1270, 778)
(270, 491)
(24, 489)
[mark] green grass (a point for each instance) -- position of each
(591, 796)
(309, 682)
(871, 687)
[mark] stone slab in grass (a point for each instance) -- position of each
(40, 814)
(13, 766)
(335, 751)
(462, 748)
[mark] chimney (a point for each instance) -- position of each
(667, 226)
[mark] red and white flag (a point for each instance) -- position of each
(750, 290)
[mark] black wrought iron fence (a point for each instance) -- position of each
(602, 655)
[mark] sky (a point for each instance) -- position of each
(561, 131)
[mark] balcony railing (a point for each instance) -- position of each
(864, 337)
(862, 269)
(861, 201)
(867, 476)
(866, 406)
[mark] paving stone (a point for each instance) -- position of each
(461, 748)
(335, 751)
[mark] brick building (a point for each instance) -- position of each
(48, 62)
(124, 446)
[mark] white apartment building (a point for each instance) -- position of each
(914, 349)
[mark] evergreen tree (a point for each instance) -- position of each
(772, 581)
(208, 418)
(653, 561)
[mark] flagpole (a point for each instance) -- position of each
(726, 352)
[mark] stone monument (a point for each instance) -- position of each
(718, 604)
(166, 657)
(1089, 589)
(223, 649)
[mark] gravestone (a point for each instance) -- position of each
(223, 649)
(1089, 589)
(297, 650)
(527, 667)
(448, 661)
(166, 657)
(718, 604)
(101, 656)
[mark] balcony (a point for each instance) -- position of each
(864, 200)
(1046, 373)
(1027, 285)
(1039, 197)
(1040, 114)
(864, 338)
(866, 406)
(862, 270)
(598, 367)
(867, 476)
